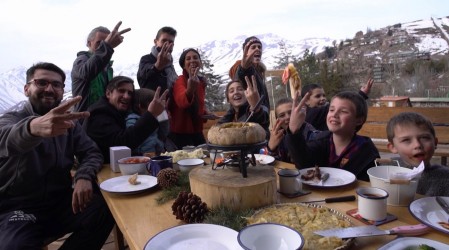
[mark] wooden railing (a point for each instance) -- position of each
(378, 117)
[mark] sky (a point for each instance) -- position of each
(55, 30)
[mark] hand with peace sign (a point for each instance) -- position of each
(193, 82)
(157, 105)
(251, 92)
(116, 37)
(164, 57)
(58, 120)
(298, 115)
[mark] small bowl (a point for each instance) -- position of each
(186, 165)
(270, 236)
(134, 164)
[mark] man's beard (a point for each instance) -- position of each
(40, 107)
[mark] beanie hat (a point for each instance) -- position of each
(251, 40)
(182, 58)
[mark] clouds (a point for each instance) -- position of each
(55, 30)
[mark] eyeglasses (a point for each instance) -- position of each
(42, 84)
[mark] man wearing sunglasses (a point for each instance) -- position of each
(92, 70)
(39, 200)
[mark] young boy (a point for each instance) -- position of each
(317, 105)
(340, 147)
(412, 136)
(152, 144)
(277, 146)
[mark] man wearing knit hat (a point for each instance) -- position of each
(251, 64)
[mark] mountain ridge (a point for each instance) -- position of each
(422, 35)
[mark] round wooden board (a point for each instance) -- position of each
(227, 187)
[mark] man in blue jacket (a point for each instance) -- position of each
(39, 201)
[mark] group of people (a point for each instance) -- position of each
(40, 144)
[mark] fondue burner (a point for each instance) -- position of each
(242, 158)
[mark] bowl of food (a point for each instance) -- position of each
(134, 164)
(270, 236)
(186, 165)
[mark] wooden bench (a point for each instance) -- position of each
(378, 117)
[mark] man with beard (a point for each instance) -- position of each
(251, 65)
(106, 124)
(39, 202)
(156, 70)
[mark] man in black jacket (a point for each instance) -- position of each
(106, 124)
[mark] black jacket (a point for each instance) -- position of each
(317, 151)
(107, 127)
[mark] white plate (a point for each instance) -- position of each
(429, 212)
(195, 237)
(121, 184)
(263, 159)
(337, 177)
(406, 242)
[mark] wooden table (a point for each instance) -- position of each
(139, 217)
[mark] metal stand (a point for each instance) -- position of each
(244, 150)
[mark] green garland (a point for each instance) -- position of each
(220, 216)
(226, 217)
(171, 193)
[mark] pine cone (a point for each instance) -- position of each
(167, 177)
(189, 208)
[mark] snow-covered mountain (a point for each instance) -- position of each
(222, 54)
(428, 35)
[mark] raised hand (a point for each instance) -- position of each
(367, 87)
(157, 105)
(298, 115)
(58, 120)
(251, 92)
(193, 82)
(116, 37)
(247, 59)
(164, 57)
(276, 135)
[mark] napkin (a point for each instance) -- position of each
(405, 177)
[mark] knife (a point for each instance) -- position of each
(253, 110)
(443, 204)
(362, 231)
(334, 199)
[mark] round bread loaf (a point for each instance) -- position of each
(234, 133)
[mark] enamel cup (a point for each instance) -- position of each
(289, 181)
(372, 203)
(160, 162)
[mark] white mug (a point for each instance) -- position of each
(372, 203)
(289, 181)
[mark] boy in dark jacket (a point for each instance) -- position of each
(340, 147)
